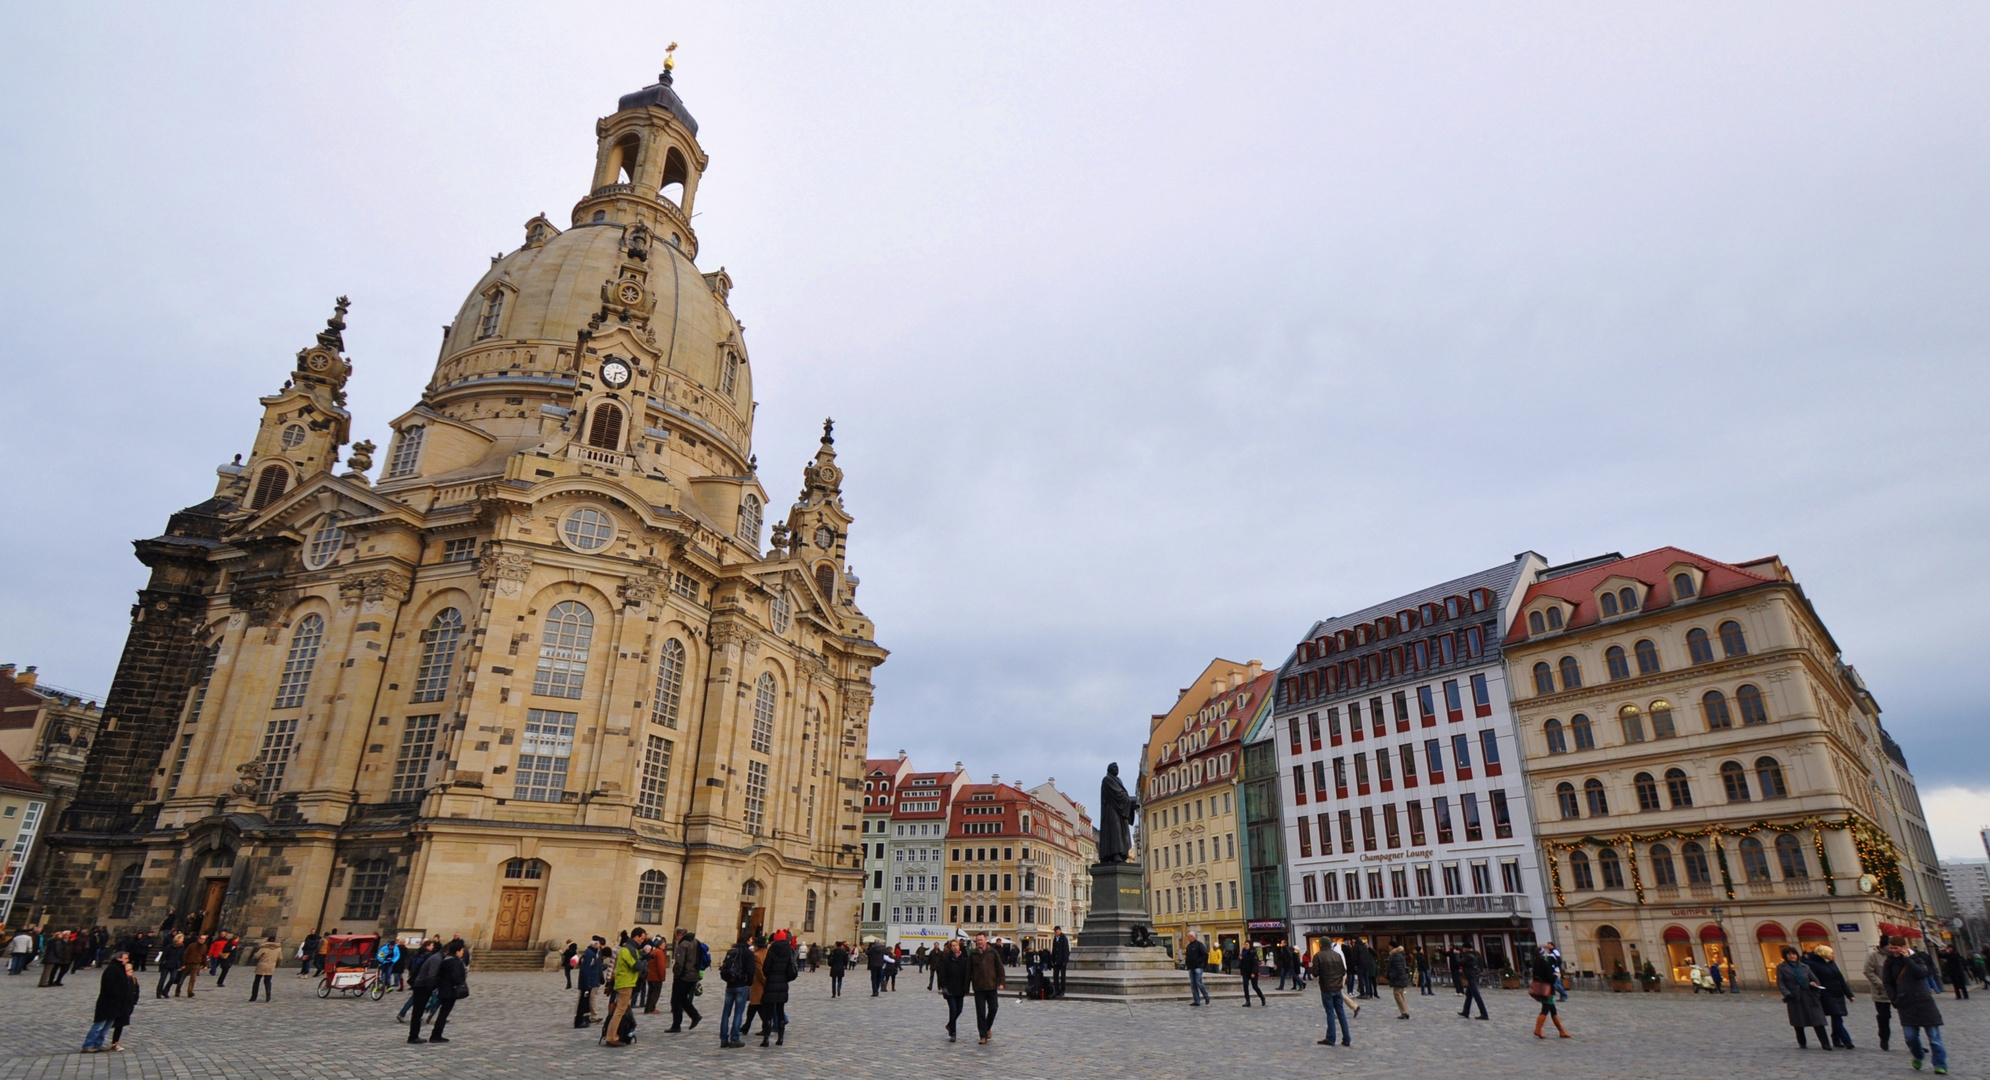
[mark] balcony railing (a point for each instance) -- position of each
(1425, 907)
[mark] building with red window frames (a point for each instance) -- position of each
(1404, 806)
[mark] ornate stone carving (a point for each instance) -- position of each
(506, 571)
(636, 592)
(374, 588)
(250, 775)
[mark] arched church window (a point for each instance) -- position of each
(675, 175)
(273, 482)
(825, 579)
(729, 375)
(749, 520)
(763, 714)
(606, 429)
(493, 314)
(296, 679)
(438, 655)
(563, 650)
(650, 890)
(669, 683)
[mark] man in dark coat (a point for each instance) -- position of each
(1906, 976)
(117, 995)
(171, 948)
(1060, 958)
(1469, 969)
(950, 969)
(56, 953)
(1799, 987)
(1194, 959)
(839, 963)
(776, 973)
(874, 960)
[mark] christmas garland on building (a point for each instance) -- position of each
(1877, 855)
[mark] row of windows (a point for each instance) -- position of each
(1378, 716)
(1393, 820)
(1632, 720)
(1386, 664)
(1429, 614)
(1623, 601)
(1678, 789)
(1608, 866)
(1193, 899)
(1403, 763)
(1698, 646)
(1328, 888)
(1199, 850)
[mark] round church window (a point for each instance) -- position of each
(293, 436)
(588, 529)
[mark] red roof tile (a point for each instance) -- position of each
(1649, 569)
(12, 778)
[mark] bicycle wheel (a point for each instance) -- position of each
(325, 987)
(378, 990)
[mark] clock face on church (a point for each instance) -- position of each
(615, 373)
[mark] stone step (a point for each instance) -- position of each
(515, 960)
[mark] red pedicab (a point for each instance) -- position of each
(350, 968)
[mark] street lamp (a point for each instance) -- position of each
(1920, 923)
(1727, 948)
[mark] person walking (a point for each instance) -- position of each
(54, 959)
(874, 962)
(422, 994)
(1554, 956)
(1470, 967)
(170, 952)
(1247, 968)
(569, 960)
(986, 975)
(656, 970)
(628, 976)
(1836, 995)
(452, 984)
(1799, 987)
(20, 951)
(1398, 975)
(839, 965)
(191, 962)
(950, 969)
(236, 949)
(117, 996)
(1956, 974)
(684, 957)
(776, 972)
(738, 971)
(1875, 972)
(268, 956)
(428, 973)
(1545, 970)
(1329, 970)
(1423, 979)
(1906, 974)
(1714, 973)
(1195, 958)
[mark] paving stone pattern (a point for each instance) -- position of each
(520, 1025)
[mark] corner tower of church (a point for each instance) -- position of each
(540, 678)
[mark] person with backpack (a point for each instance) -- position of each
(738, 972)
(628, 976)
(450, 983)
(688, 959)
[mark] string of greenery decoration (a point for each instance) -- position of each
(1877, 854)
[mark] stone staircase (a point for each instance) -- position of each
(514, 960)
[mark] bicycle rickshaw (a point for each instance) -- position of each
(349, 967)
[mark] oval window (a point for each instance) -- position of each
(588, 529)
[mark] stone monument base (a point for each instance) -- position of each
(1105, 964)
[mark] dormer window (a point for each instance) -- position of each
(729, 375)
(487, 327)
(1536, 623)
(1682, 587)
(1627, 599)
(407, 453)
(1555, 618)
(1608, 602)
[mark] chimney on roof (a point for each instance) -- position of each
(1252, 670)
(27, 676)
(994, 778)
(957, 766)
(901, 755)
(8, 671)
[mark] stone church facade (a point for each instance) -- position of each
(539, 680)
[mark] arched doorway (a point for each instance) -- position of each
(518, 904)
(216, 871)
(1679, 953)
(1771, 937)
(1713, 948)
(751, 914)
(1609, 950)
(1810, 935)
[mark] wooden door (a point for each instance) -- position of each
(210, 904)
(514, 919)
(750, 919)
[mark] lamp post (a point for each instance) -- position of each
(1727, 948)
(1920, 923)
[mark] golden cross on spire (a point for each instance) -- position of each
(669, 61)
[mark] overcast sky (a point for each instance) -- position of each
(1152, 334)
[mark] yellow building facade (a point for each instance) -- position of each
(1705, 777)
(543, 678)
(1191, 831)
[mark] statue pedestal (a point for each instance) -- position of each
(1105, 964)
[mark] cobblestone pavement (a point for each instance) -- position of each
(520, 1026)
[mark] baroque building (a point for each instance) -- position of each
(1710, 778)
(1195, 853)
(541, 680)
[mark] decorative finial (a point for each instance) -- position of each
(828, 431)
(669, 62)
(333, 336)
(753, 464)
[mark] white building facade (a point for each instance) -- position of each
(1406, 817)
(915, 858)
